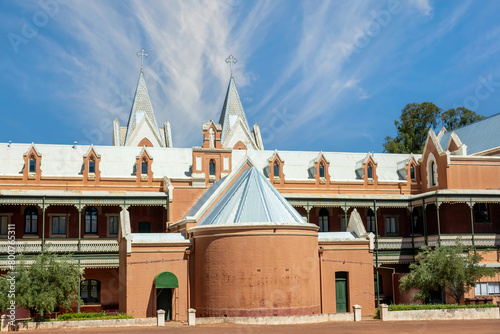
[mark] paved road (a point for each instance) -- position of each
(364, 327)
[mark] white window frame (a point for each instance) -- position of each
(396, 225)
(430, 173)
(487, 288)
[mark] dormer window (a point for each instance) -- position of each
(144, 167)
(211, 168)
(369, 171)
(322, 171)
(92, 166)
(32, 164)
(412, 173)
(276, 169)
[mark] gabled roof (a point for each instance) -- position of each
(479, 136)
(252, 199)
(142, 109)
(233, 117)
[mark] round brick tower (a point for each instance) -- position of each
(255, 255)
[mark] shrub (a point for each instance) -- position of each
(91, 316)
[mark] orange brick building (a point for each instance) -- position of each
(231, 229)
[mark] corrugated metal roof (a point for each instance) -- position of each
(252, 199)
(478, 136)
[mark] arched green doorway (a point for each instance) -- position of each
(165, 284)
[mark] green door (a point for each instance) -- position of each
(341, 292)
(164, 302)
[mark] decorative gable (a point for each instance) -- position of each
(276, 174)
(32, 164)
(143, 169)
(319, 169)
(366, 169)
(211, 135)
(91, 161)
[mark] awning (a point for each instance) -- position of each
(166, 280)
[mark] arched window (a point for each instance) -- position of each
(322, 170)
(91, 220)
(32, 166)
(92, 166)
(276, 169)
(144, 167)
(432, 173)
(31, 220)
(370, 221)
(369, 171)
(211, 168)
(90, 291)
(323, 220)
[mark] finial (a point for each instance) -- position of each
(231, 60)
(142, 53)
(75, 143)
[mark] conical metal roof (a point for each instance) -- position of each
(252, 199)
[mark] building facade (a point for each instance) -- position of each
(231, 229)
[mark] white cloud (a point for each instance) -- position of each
(423, 6)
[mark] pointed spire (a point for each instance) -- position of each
(142, 109)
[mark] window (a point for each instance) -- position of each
(276, 169)
(211, 168)
(144, 167)
(59, 225)
(489, 288)
(369, 171)
(91, 220)
(90, 291)
(323, 220)
(481, 213)
(322, 171)
(113, 224)
(370, 221)
(432, 173)
(4, 222)
(92, 166)
(32, 166)
(391, 225)
(412, 173)
(343, 223)
(31, 220)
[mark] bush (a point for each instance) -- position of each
(91, 316)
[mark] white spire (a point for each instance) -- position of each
(142, 121)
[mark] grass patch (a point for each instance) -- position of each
(91, 316)
(410, 307)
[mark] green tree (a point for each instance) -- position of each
(415, 121)
(50, 281)
(453, 268)
(412, 127)
(457, 117)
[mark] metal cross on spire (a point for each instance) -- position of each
(231, 60)
(142, 54)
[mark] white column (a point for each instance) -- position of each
(191, 317)
(161, 318)
(357, 312)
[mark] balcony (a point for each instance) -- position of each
(62, 246)
(397, 243)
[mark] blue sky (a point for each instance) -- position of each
(315, 75)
